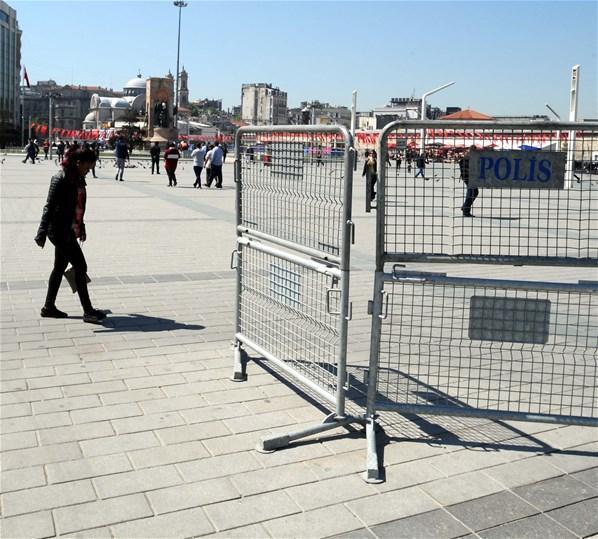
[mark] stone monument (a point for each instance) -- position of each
(159, 103)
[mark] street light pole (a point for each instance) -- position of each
(573, 98)
(424, 113)
(558, 132)
(180, 4)
(354, 113)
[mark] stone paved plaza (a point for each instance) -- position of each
(133, 428)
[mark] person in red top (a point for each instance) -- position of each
(171, 160)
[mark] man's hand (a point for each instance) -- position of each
(40, 240)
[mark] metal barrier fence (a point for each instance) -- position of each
(471, 346)
(294, 232)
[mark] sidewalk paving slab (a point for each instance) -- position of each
(134, 428)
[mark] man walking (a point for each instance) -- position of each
(471, 193)
(60, 151)
(198, 155)
(121, 152)
(171, 160)
(216, 168)
(31, 151)
(420, 163)
(155, 155)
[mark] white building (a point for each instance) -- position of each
(262, 104)
(105, 111)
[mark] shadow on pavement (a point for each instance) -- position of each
(473, 434)
(141, 322)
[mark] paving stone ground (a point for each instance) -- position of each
(133, 428)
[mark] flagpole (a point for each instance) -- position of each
(22, 117)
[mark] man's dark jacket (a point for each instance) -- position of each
(59, 211)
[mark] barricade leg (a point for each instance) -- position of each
(240, 363)
(268, 445)
(372, 470)
(376, 309)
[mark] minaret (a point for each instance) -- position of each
(184, 89)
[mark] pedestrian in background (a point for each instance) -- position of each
(155, 156)
(216, 165)
(224, 151)
(420, 163)
(208, 165)
(46, 148)
(60, 151)
(198, 155)
(121, 152)
(370, 171)
(398, 160)
(31, 151)
(171, 160)
(471, 193)
(95, 148)
(62, 222)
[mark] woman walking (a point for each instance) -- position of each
(171, 160)
(62, 222)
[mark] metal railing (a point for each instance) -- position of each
(294, 232)
(472, 346)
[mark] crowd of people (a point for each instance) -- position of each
(206, 156)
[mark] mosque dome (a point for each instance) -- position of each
(119, 103)
(138, 83)
(135, 86)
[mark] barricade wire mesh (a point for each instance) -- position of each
(283, 310)
(491, 348)
(424, 216)
(292, 187)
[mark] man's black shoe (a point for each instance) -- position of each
(52, 312)
(93, 317)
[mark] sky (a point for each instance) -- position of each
(506, 58)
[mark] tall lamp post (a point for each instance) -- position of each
(423, 115)
(50, 118)
(180, 4)
(557, 146)
(570, 169)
